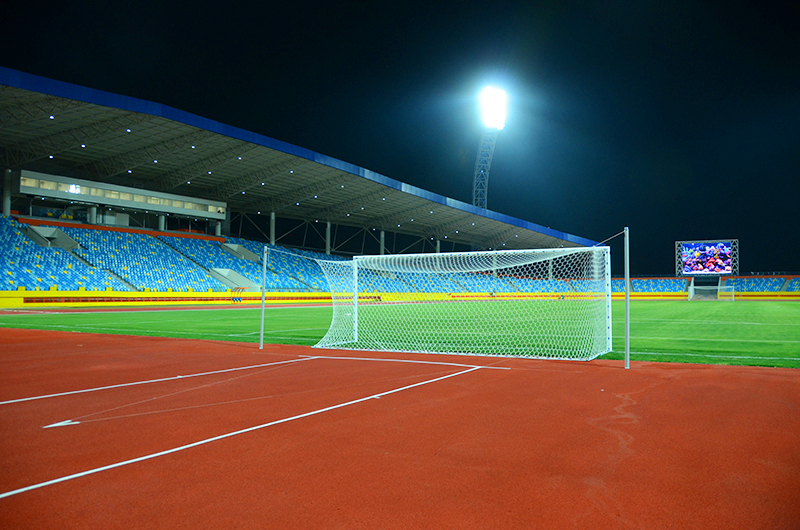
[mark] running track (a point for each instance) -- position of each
(293, 437)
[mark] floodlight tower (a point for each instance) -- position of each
(493, 112)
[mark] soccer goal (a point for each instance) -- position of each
(544, 303)
(712, 292)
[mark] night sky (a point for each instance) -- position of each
(679, 119)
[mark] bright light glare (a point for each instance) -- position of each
(493, 107)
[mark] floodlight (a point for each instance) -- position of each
(493, 107)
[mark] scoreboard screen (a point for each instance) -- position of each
(706, 257)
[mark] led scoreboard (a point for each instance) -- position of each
(708, 257)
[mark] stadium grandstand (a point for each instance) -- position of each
(112, 194)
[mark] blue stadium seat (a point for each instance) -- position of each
(142, 260)
(756, 284)
(658, 285)
(26, 264)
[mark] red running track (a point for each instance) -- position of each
(536, 444)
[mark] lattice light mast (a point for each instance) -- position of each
(493, 112)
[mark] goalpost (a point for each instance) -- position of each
(711, 292)
(544, 303)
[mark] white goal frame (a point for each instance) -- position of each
(544, 303)
(711, 292)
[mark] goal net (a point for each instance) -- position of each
(548, 303)
(712, 292)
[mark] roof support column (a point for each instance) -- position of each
(91, 215)
(272, 228)
(162, 222)
(438, 246)
(383, 242)
(218, 228)
(328, 238)
(7, 193)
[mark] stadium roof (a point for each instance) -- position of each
(64, 129)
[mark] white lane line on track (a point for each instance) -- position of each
(409, 361)
(227, 435)
(85, 390)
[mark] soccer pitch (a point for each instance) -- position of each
(745, 333)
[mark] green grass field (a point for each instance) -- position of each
(745, 333)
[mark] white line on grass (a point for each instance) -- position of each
(714, 322)
(227, 435)
(151, 381)
(268, 332)
(716, 356)
(711, 339)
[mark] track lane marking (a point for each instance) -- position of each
(227, 435)
(121, 385)
(409, 361)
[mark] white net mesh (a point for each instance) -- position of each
(549, 303)
(712, 292)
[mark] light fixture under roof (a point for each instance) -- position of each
(52, 117)
(127, 130)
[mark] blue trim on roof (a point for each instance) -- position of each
(35, 83)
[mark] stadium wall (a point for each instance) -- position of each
(649, 296)
(24, 299)
(784, 296)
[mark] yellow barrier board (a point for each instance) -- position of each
(84, 299)
(38, 299)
